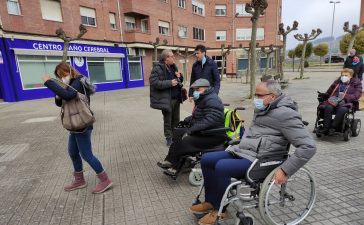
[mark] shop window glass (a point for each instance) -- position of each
(104, 70)
(32, 68)
(135, 69)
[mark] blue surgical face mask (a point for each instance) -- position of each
(196, 95)
(258, 104)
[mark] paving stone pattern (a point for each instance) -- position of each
(128, 139)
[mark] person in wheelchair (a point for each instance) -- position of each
(207, 114)
(276, 123)
(339, 99)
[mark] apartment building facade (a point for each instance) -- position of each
(116, 52)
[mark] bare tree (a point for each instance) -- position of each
(224, 53)
(268, 51)
(66, 40)
(185, 55)
(256, 8)
(305, 38)
(355, 29)
(284, 33)
(156, 44)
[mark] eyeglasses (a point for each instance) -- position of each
(261, 95)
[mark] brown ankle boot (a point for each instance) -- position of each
(78, 183)
(105, 183)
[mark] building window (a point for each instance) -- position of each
(221, 35)
(135, 68)
(51, 10)
(13, 7)
(240, 10)
(181, 3)
(88, 16)
(218, 60)
(144, 25)
(245, 34)
(198, 34)
(198, 7)
(163, 27)
(112, 21)
(182, 31)
(103, 70)
(220, 10)
(130, 23)
(32, 67)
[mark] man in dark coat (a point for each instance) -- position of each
(205, 68)
(207, 114)
(165, 92)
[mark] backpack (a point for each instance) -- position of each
(235, 123)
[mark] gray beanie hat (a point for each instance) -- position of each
(200, 83)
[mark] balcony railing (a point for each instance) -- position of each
(137, 30)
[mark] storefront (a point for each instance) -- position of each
(23, 63)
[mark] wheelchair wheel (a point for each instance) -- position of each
(355, 127)
(347, 134)
(195, 178)
(289, 203)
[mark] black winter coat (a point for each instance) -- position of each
(358, 70)
(208, 71)
(208, 113)
(160, 88)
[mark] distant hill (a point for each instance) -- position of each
(336, 43)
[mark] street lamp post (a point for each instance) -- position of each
(332, 30)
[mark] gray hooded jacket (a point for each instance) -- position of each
(272, 130)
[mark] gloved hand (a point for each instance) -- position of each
(323, 95)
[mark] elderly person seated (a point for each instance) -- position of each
(340, 96)
(208, 113)
(276, 124)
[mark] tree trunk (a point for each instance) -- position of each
(185, 70)
(351, 44)
(222, 67)
(65, 50)
(320, 61)
(282, 63)
(303, 59)
(293, 63)
(266, 64)
(248, 69)
(253, 55)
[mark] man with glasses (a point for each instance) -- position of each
(165, 92)
(276, 124)
(205, 68)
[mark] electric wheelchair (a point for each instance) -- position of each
(286, 204)
(234, 130)
(350, 126)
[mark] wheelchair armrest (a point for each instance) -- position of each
(221, 130)
(234, 142)
(267, 156)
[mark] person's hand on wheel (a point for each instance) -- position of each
(280, 177)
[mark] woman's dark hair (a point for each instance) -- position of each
(200, 48)
(64, 69)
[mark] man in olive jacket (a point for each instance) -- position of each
(165, 92)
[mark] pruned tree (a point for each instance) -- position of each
(224, 53)
(358, 43)
(256, 8)
(66, 40)
(321, 50)
(156, 44)
(355, 29)
(268, 51)
(305, 38)
(292, 55)
(284, 33)
(185, 55)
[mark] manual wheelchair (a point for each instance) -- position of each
(233, 130)
(350, 126)
(287, 204)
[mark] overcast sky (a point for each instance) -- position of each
(313, 14)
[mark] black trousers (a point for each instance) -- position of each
(330, 110)
(191, 145)
(171, 119)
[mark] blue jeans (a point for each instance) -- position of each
(218, 168)
(79, 145)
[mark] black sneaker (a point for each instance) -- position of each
(171, 171)
(164, 164)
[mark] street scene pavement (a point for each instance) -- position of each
(128, 139)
